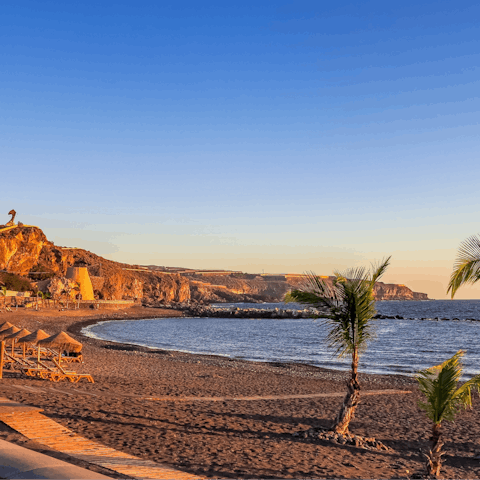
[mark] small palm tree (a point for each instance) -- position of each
(44, 296)
(466, 268)
(351, 304)
(443, 400)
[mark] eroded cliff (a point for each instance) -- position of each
(272, 288)
(26, 249)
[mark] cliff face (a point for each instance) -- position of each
(392, 291)
(26, 249)
(20, 249)
(245, 288)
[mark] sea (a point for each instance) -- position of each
(427, 333)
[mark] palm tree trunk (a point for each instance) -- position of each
(351, 400)
(434, 457)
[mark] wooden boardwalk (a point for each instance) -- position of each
(32, 424)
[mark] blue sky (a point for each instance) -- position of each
(275, 136)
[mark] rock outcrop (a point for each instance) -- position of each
(20, 249)
(26, 249)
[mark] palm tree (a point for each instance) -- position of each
(351, 304)
(44, 296)
(444, 399)
(466, 268)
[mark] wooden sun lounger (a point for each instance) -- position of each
(50, 352)
(70, 359)
(28, 368)
(74, 377)
(53, 374)
(31, 369)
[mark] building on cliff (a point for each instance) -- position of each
(81, 276)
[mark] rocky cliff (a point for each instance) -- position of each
(26, 250)
(271, 288)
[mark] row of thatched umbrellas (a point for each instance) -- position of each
(60, 341)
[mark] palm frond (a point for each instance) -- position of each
(350, 326)
(466, 268)
(464, 394)
(439, 385)
(315, 292)
(351, 302)
(380, 268)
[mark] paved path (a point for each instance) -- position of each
(19, 462)
(271, 397)
(60, 390)
(32, 424)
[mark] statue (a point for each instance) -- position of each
(13, 213)
(11, 223)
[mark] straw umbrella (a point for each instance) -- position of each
(17, 336)
(63, 341)
(8, 331)
(5, 325)
(33, 339)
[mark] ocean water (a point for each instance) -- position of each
(401, 346)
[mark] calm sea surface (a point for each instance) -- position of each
(401, 346)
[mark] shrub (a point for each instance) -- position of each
(15, 282)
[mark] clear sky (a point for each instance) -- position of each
(280, 136)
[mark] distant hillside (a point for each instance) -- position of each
(26, 251)
(272, 288)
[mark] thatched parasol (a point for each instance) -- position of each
(33, 339)
(62, 341)
(8, 331)
(17, 336)
(5, 326)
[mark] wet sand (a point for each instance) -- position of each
(158, 405)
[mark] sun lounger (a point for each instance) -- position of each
(52, 373)
(78, 358)
(28, 368)
(74, 377)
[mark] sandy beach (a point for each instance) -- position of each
(196, 413)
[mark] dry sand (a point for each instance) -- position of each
(231, 438)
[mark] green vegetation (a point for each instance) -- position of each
(443, 400)
(467, 264)
(46, 272)
(15, 282)
(351, 304)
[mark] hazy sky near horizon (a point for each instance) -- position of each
(281, 136)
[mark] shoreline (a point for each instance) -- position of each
(77, 329)
(230, 418)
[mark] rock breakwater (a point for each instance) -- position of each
(236, 312)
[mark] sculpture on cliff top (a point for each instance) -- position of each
(11, 223)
